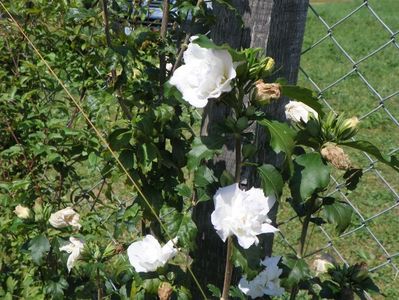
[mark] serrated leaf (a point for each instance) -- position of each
(146, 154)
(311, 175)
(272, 181)
(56, 289)
(299, 270)
(214, 290)
(126, 157)
(203, 176)
(374, 151)
(235, 292)
(184, 190)
(119, 138)
(338, 213)
(199, 151)
(180, 225)
(38, 247)
(281, 136)
(247, 260)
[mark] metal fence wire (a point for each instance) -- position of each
(373, 235)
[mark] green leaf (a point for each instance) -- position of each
(373, 150)
(339, 213)
(242, 123)
(184, 190)
(272, 181)
(56, 289)
(151, 285)
(179, 225)
(214, 290)
(92, 159)
(235, 292)
(249, 150)
(247, 259)
(281, 136)
(203, 176)
(299, 270)
(119, 138)
(311, 175)
(352, 178)
(146, 154)
(39, 246)
(226, 178)
(204, 42)
(199, 151)
(126, 157)
(304, 95)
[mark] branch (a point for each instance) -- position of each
(106, 22)
(162, 61)
(183, 46)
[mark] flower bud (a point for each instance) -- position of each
(351, 123)
(165, 291)
(323, 263)
(336, 156)
(269, 67)
(22, 212)
(266, 92)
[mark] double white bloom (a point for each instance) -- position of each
(297, 111)
(207, 73)
(147, 255)
(75, 247)
(266, 282)
(242, 213)
(64, 218)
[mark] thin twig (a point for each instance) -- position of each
(229, 264)
(183, 47)
(180, 54)
(228, 272)
(76, 111)
(162, 59)
(106, 22)
(98, 195)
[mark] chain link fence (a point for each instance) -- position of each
(350, 54)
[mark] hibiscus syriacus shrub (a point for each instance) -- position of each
(86, 217)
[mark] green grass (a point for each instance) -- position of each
(359, 35)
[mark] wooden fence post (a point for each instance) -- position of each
(277, 26)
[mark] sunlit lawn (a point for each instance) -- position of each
(359, 35)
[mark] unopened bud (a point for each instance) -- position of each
(22, 212)
(336, 156)
(269, 67)
(351, 123)
(165, 291)
(323, 263)
(266, 92)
